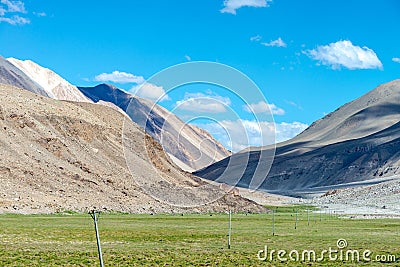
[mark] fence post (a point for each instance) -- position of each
(273, 222)
(229, 229)
(95, 218)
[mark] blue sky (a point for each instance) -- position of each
(307, 57)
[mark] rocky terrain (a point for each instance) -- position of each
(359, 141)
(381, 198)
(59, 155)
(190, 147)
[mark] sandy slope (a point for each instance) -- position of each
(58, 155)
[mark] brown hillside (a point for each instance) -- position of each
(58, 155)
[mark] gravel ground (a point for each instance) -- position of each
(373, 200)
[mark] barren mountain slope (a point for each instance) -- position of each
(58, 155)
(369, 114)
(54, 85)
(11, 75)
(190, 147)
(357, 142)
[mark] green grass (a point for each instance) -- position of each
(189, 240)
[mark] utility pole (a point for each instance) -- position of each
(95, 218)
(308, 217)
(297, 213)
(229, 229)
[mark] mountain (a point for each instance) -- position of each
(357, 142)
(11, 75)
(62, 155)
(190, 147)
(55, 86)
(108, 93)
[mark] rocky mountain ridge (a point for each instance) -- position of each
(357, 142)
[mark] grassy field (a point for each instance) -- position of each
(189, 240)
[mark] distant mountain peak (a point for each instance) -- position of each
(54, 85)
(12, 75)
(357, 142)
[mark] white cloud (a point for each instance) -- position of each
(230, 6)
(15, 20)
(240, 134)
(119, 77)
(8, 6)
(188, 58)
(141, 88)
(203, 103)
(40, 14)
(294, 104)
(256, 38)
(262, 107)
(396, 59)
(285, 131)
(150, 91)
(277, 43)
(345, 54)
(209, 95)
(14, 6)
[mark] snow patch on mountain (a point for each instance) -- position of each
(54, 85)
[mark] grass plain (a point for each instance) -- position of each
(68, 239)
